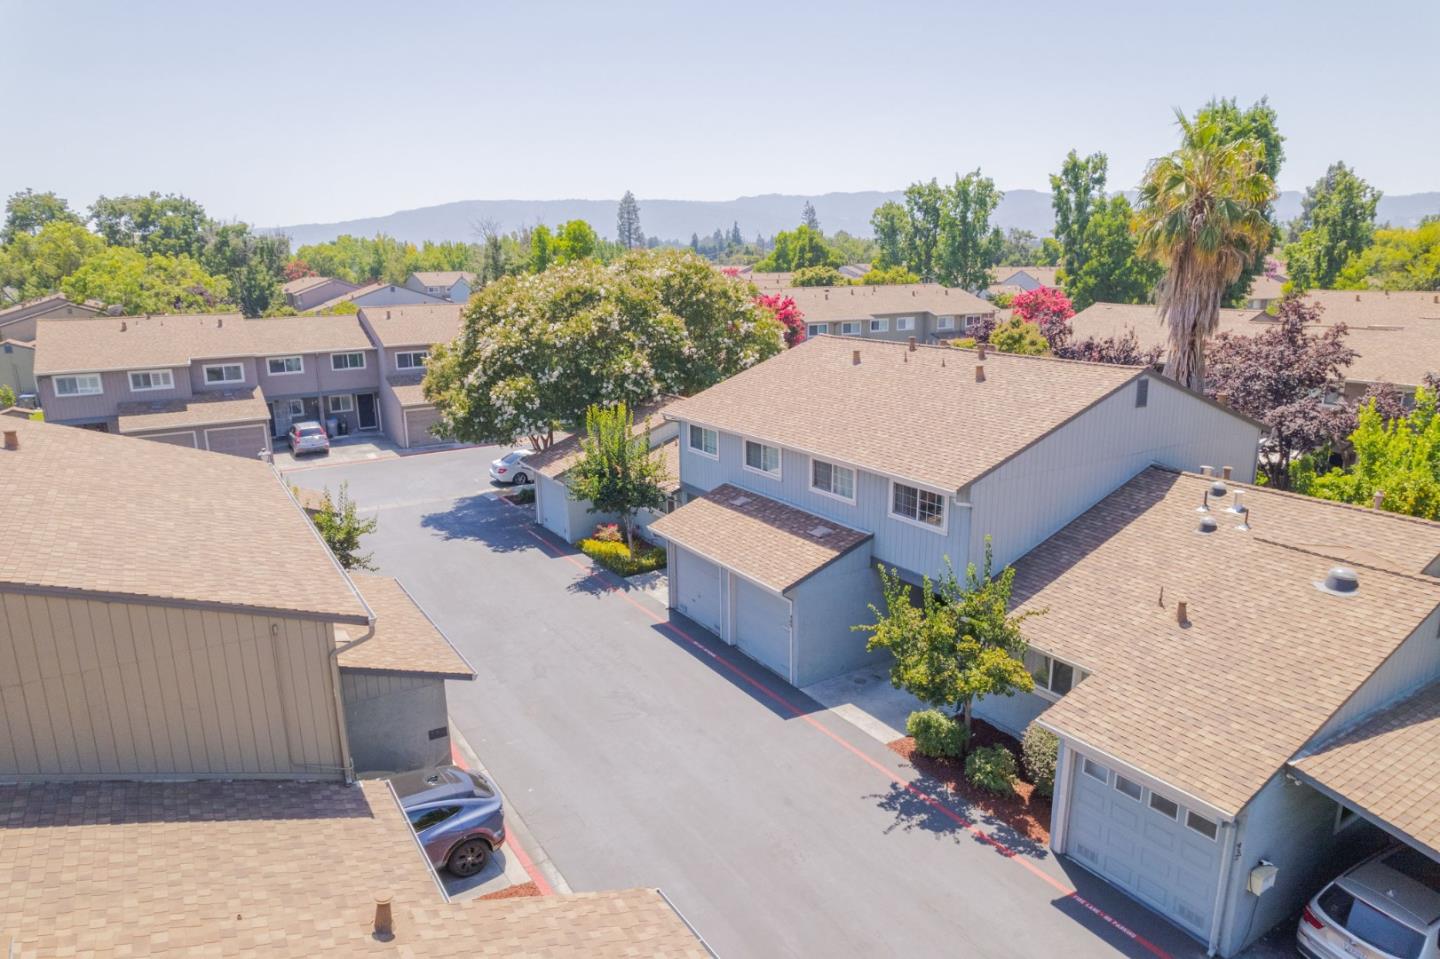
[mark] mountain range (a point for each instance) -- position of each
(766, 215)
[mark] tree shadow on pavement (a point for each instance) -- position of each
(483, 519)
(914, 812)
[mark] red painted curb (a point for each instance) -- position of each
(526, 863)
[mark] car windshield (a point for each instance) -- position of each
(514, 457)
(1370, 925)
(311, 431)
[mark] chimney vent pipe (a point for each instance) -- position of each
(1225, 471)
(980, 349)
(12, 439)
(854, 357)
(912, 344)
(1378, 498)
(1182, 613)
(384, 918)
(979, 373)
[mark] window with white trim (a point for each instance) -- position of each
(347, 361)
(850, 328)
(1165, 807)
(296, 408)
(832, 479)
(944, 322)
(917, 505)
(705, 442)
(1129, 788)
(1050, 674)
(341, 403)
(904, 324)
(411, 359)
(760, 458)
(1205, 827)
(817, 329)
(1095, 771)
(879, 326)
(225, 373)
(82, 384)
(142, 381)
(285, 365)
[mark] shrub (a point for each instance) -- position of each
(616, 557)
(1039, 750)
(526, 494)
(991, 768)
(935, 733)
(608, 533)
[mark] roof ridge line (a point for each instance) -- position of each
(1306, 550)
(1291, 494)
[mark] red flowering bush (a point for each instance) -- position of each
(787, 313)
(1048, 308)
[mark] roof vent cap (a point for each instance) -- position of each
(1340, 581)
(1208, 524)
(740, 501)
(821, 531)
(1218, 489)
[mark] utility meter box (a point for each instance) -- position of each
(1262, 877)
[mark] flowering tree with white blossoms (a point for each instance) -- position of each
(536, 351)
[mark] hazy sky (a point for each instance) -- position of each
(307, 111)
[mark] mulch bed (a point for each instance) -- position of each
(518, 891)
(1026, 812)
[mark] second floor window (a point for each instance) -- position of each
(1051, 675)
(412, 360)
(817, 329)
(832, 479)
(904, 323)
(281, 365)
(347, 361)
(850, 329)
(225, 373)
(86, 384)
(761, 458)
(704, 441)
(879, 326)
(917, 505)
(944, 322)
(142, 380)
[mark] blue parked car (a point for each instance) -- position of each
(457, 815)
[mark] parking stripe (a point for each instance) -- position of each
(932, 801)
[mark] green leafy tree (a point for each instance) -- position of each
(7, 396)
(617, 472)
(1341, 226)
(1202, 216)
(808, 217)
(819, 276)
(796, 249)
(1399, 259)
(960, 644)
(1256, 124)
(887, 276)
(1400, 458)
(542, 249)
(35, 264)
(1077, 190)
(890, 224)
(1020, 248)
(1050, 252)
(576, 240)
(627, 223)
(170, 224)
(125, 277)
(1014, 335)
(341, 527)
(1111, 270)
(924, 213)
(29, 212)
(536, 351)
(969, 246)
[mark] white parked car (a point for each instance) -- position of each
(511, 468)
(1388, 907)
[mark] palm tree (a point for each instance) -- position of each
(1202, 216)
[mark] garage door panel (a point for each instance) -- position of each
(247, 441)
(174, 439)
(762, 626)
(697, 589)
(418, 422)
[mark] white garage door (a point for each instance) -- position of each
(1145, 843)
(697, 589)
(762, 626)
(248, 441)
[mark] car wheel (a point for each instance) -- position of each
(520, 479)
(468, 858)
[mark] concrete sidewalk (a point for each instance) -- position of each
(865, 699)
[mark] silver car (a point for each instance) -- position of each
(1388, 907)
(457, 815)
(308, 436)
(511, 468)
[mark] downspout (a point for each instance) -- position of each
(1222, 898)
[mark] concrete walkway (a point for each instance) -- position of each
(865, 699)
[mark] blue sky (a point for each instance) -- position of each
(306, 111)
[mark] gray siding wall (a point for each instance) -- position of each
(1414, 664)
(912, 548)
(318, 377)
(91, 689)
(116, 386)
(388, 718)
(554, 507)
(1011, 713)
(17, 368)
(1031, 497)
(321, 293)
(346, 381)
(197, 374)
(23, 325)
(826, 606)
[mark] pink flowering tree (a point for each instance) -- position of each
(787, 313)
(1048, 308)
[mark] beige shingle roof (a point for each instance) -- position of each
(408, 389)
(1216, 707)
(40, 303)
(444, 277)
(833, 304)
(1045, 274)
(306, 282)
(271, 869)
(405, 639)
(352, 294)
(565, 453)
(141, 342)
(110, 514)
(1389, 766)
(202, 409)
(420, 325)
(1103, 320)
(813, 398)
(762, 539)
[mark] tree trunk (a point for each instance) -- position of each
(966, 711)
(628, 523)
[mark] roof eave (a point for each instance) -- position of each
(143, 599)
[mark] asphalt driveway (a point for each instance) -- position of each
(642, 751)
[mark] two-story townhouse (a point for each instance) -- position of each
(378, 293)
(308, 292)
(1022, 279)
(213, 381)
(1241, 694)
(403, 337)
(452, 285)
(927, 312)
(816, 465)
(17, 336)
